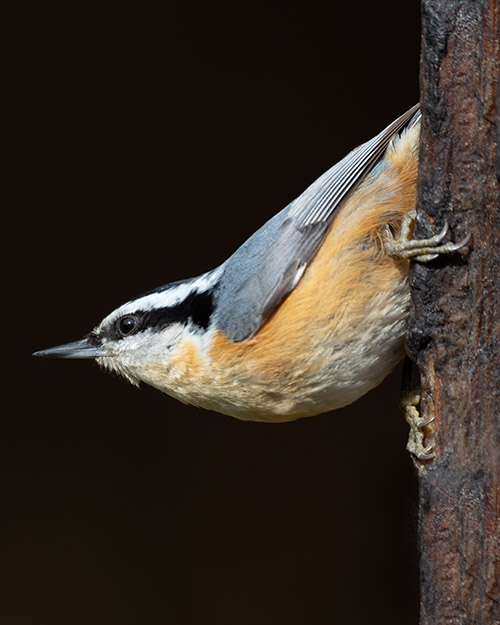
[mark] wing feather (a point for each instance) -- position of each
(263, 271)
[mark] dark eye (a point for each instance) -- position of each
(127, 325)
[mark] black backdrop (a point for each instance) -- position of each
(146, 146)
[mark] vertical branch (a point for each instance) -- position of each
(454, 333)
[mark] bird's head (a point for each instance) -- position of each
(145, 332)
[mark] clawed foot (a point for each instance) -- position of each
(422, 250)
(421, 441)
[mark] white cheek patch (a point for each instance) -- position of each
(146, 345)
(130, 355)
(133, 356)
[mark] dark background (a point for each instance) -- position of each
(142, 148)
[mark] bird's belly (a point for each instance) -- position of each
(333, 372)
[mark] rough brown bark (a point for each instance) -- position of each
(454, 333)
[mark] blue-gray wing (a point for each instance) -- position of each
(266, 268)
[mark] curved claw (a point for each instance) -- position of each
(425, 422)
(441, 235)
(463, 242)
(427, 454)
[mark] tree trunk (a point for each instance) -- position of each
(454, 333)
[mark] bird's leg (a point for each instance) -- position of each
(422, 250)
(421, 440)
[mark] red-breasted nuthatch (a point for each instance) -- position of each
(306, 316)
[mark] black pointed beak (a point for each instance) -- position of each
(79, 349)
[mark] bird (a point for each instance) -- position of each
(305, 317)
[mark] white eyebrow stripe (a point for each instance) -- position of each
(174, 295)
(162, 299)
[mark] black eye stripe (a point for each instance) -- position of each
(196, 308)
